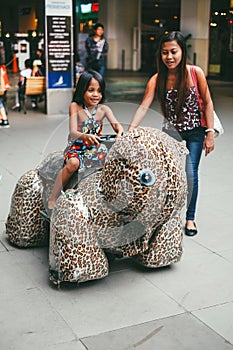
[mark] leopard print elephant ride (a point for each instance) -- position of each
(131, 208)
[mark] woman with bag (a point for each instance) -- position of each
(97, 48)
(176, 92)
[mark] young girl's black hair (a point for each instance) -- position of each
(83, 84)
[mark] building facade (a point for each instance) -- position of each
(132, 28)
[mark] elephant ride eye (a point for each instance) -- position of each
(147, 177)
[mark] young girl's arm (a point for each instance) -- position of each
(117, 127)
(73, 121)
(145, 104)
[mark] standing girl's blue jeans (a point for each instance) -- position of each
(194, 142)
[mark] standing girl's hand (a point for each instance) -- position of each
(209, 143)
(118, 135)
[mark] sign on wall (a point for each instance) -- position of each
(59, 43)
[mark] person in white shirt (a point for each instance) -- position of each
(24, 74)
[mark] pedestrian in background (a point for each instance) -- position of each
(175, 90)
(38, 64)
(97, 49)
(38, 70)
(4, 86)
(24, 74)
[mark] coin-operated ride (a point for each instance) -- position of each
(132, 207)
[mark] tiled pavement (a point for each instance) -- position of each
(187, 306)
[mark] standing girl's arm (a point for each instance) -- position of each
(117, 127)
(147, 100)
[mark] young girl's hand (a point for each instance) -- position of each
(90, 139)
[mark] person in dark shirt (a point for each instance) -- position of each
(97, 48)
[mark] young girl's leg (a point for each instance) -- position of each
(63, 177)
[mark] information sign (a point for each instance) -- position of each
(59, 39)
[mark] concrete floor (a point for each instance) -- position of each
(187, 306)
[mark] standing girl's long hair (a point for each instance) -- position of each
(163, 73)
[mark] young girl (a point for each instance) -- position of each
(85, 125)
(175, 90)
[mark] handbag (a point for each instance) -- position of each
(218, 127)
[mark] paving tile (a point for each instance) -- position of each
(183, 332)
(215, 235)
(13, 278)
(215, 201)
(227, 254)
(29, 262)
(196, 281)
(29, 321)
(2, 247)
(192, 246)
(121, 299)
(219, 318)
(71, 345)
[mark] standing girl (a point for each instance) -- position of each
(175, 89)
(85, 125)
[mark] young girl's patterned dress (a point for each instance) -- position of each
(89, 156)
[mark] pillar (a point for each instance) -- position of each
(195, 15)
(122, 28)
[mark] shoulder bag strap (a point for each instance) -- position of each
(199, 98)
(194, 77)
